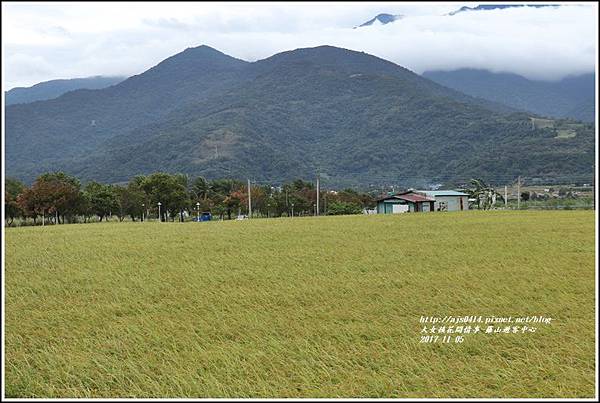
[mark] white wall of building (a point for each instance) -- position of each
(452, 202)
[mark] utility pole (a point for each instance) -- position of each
(519, 192)
(249, 201)
(317, 194)
(505, 196)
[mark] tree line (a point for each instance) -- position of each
(56, 197)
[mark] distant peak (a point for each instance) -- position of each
(382, 18)
(326, 56)
(189, 63)
(203, 48)
(201, 54)
(320, 53)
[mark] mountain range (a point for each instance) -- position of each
(385, 18)
(572, 97)
(55, 88)
(355, 118)
(488, 7)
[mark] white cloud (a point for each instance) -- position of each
(47, 41)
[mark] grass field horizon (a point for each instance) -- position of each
(300, 307)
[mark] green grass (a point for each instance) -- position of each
(303, 307)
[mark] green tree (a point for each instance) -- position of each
(84, 206)
(350, 197)
(340, 207)
(302, 195)
(131, 201)
(200, 188)
(170, 191)
(12, 189)
(103, 199)
(225, 195)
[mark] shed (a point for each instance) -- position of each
(448, 200)
(410, 201)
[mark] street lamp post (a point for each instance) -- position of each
(159, 204)
(198, 210)
(143, 210)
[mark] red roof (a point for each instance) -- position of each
(413, 197)
(408, 196)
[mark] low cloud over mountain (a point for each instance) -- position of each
(44, 42)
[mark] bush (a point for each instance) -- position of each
(339, 208)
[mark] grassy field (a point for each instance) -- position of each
(303, 307)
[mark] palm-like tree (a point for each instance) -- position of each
(201, 188)
(484, 194)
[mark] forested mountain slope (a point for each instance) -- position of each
(571, 97)
(353, 117)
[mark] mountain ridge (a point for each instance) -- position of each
(489, 7)
(54, 88)
(571, 97)
(354, 115)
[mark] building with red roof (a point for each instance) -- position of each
(409, 201)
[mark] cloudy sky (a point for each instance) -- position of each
(44, 41)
